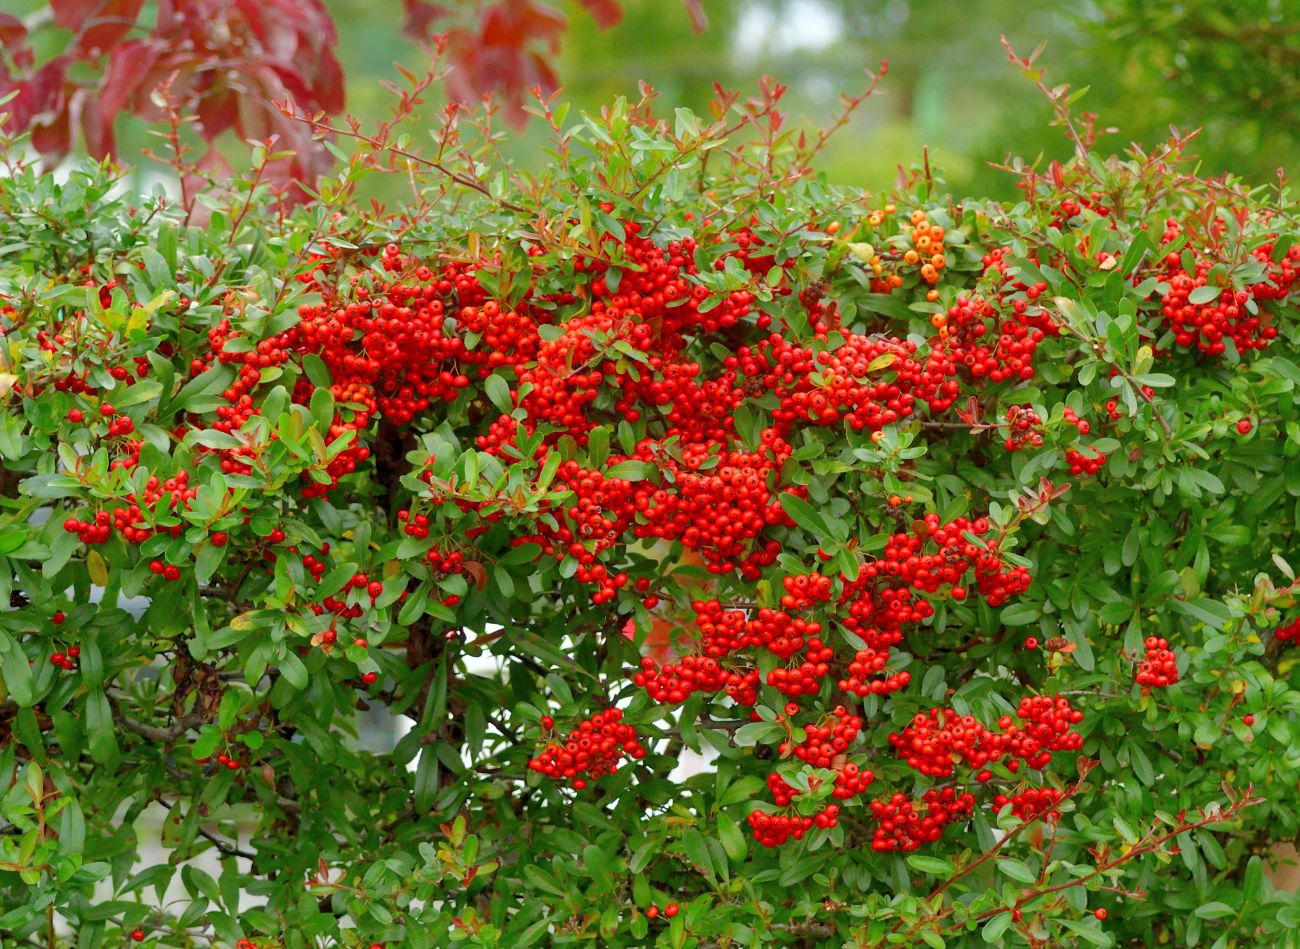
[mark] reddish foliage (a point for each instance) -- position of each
(228, 61)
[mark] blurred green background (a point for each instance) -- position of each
(1231, 69)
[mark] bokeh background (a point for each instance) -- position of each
(1230, 69)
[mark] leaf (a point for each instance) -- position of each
(934, 866)
(630, 470)
(1089, 932)
(1214, 910)
(1017, 870)
(1020, 614)
(99, 727)
(97, 569)
(498, 391)
(294, 672)
(1204, 294)
(16, 672)
(810, 519)
(995, 927)
(732, 839)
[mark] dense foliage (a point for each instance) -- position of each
(953, 535)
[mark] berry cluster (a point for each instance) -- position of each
(826, 744)
(1030, 802)
(1288, 632)
(1081, 464)
(160, 498)
(595, 748)
(900, 827)
(934, 743)
(1023, 428)
(1160, 668)
(1227, 314)
(66, 661)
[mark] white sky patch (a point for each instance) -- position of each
(802, 25)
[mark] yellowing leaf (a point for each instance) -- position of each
(97, 568)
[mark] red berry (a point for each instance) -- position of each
(137, 935)
(1100, 912)
(1031, 643)
(1248, 720)
(547, 722)
(652, 912)
(219, 539)
(671, 910)
(1243, 427)
(374, 589)
(74, 415)
(108, 411)
(58, 618)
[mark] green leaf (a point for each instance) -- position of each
(812, 520)
(16, 672)
(995, 927)
(99, 727)
(630, 470)
(935, 866)
(294, 672)
(1017, 870)
(498, 391)
(1214, 910)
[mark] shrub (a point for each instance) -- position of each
(949, 538)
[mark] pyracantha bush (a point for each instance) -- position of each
(750, 560)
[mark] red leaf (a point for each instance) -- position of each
(99, 24)
(72, 14)
(41, 102)
(606, 13)
(699, 19)
(420, 17)
(125, 83)
(218, 111)
(13, 35)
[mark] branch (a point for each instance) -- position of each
(289, 110)
(153, 732)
